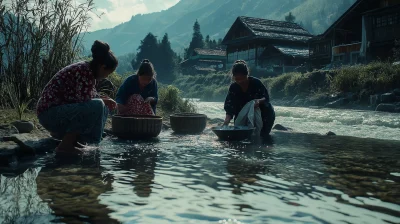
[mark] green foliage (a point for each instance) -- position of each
(211, 87)
(170, 101)
(376, 77)
(276, 85)
(22, 107)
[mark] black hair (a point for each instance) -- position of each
(146, 68)
(240, 66)
(102, 55)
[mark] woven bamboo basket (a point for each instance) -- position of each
(136, 127)
(188, 123)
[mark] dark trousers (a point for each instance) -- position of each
(268, 117)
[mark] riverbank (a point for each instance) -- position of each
(375, 86)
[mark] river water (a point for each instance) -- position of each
(289, 178)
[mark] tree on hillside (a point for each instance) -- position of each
(148, 49)
(160, 54)
(167, 62)
(290, 18)
(197, 40)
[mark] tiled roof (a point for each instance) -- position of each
(205, 69)
(293, 51)
(212, 52)
(272, 29)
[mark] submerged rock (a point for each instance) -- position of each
(280, 127)
(386, 107)
(329, 133)
(8, 151)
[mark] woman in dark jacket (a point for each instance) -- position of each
(245, 89)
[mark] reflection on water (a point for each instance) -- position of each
(197, 179)
(289, 177)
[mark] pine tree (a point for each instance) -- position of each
(208, 42)
(197, 40)
(167, 63)
(290, 18)
(148, 49)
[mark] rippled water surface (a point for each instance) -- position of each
(288, 178)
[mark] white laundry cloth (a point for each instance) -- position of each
(250, 117)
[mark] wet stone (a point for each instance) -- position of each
(7, 130)
(32, 144)
(8, 150)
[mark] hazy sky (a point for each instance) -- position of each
(118, 11)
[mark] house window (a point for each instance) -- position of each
(338, 57)
(384, 20)
(378, 22)
(396, 18)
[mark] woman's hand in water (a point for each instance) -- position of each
(228, 119)
(149, 100)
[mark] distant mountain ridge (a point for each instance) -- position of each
(215, 18)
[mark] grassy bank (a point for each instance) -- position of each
(362, 80)
(211, 87)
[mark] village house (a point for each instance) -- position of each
(275, 46)
(204, 61)
(365, 32)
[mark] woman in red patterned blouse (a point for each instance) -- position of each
(70, 106)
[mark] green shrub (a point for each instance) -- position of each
(170, 102)
(276, 85)
(376, 77)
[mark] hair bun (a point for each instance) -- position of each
(100, 49)
(240, 62)
(145, 61)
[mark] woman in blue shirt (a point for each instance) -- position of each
(138, 95)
